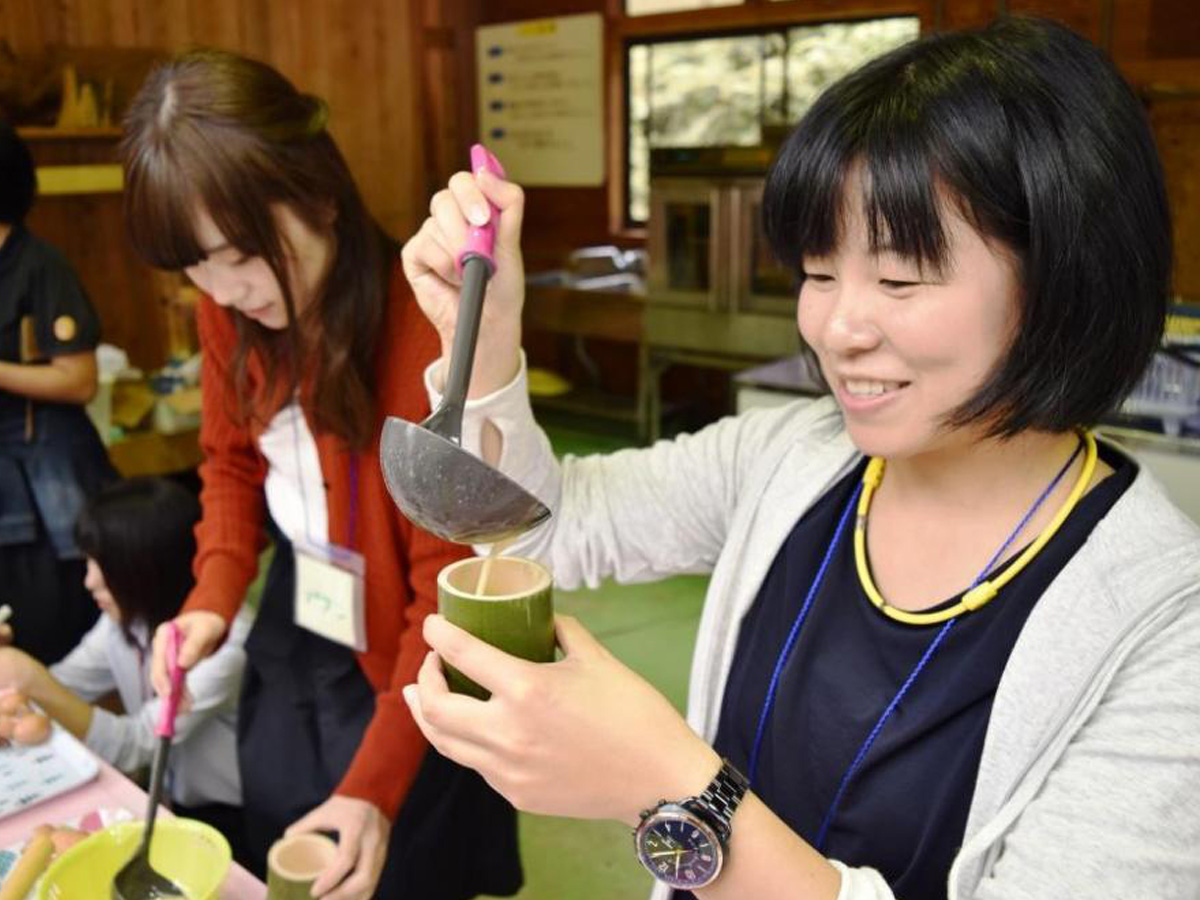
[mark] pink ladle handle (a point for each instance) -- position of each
(170, 706)
(482, 238)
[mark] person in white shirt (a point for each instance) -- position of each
(138, 537)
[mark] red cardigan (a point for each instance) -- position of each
(402, 561)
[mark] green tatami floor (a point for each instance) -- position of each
(651, 628)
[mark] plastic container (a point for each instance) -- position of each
(193, 855)
(1169, 390)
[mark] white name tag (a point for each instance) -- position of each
(329, 594)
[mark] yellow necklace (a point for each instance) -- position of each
(983, 592)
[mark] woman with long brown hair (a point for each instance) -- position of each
(310, 337)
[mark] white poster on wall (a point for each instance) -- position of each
(541, 98)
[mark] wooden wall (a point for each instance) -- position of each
(399, 76)
(1156, 43)
(358, 56)
(362, 57)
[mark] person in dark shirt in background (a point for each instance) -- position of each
(51, 459)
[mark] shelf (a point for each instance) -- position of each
(47, 133)
(590, 403)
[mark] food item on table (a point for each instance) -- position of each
(32, 728)
(7, 724)
(34, 859)
(65, 838)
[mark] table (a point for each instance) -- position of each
(111, 789)
(663, 335)
(152, 453)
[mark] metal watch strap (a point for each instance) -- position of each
(721, 798)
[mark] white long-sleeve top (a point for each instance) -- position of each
(1091, 762)
(295, 487)
(202, 767)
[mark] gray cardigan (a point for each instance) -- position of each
(1089, 782)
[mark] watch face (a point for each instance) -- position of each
(678, 848)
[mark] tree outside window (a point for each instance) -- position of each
(722, 90)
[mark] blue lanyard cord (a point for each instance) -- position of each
(765, 715)
(866, 747)
(350, 526)
(788, 645)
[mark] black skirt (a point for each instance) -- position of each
(304, 708)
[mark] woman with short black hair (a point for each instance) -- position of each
(51, 459)
(138, 538)
(139, 533)
(951, 643)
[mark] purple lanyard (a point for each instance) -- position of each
(353, 523)
(790, 643)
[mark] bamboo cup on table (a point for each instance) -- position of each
(294, 863)
(511, 608)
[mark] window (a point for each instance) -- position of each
(722, 90)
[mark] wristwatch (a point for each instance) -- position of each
(682, 843)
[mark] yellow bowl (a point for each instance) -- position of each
(193, 855)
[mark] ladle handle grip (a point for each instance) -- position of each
(481, 240)
(170, 704)
(462, 352)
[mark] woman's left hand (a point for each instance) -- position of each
(19, 671)
(363, 832)
(585, 736)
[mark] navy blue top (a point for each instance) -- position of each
(905, 811)
(48, 470)
(37, 282)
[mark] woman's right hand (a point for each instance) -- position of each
(202, 633)
(429, 264)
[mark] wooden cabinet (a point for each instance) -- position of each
(1157, 41)
(1176, 121)
(1088, 17)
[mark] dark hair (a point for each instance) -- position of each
(140, 532)
(1041, 145)
(218, 131)
(18, 183)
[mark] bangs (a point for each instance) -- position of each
(927, 128)
(903, 191)
(160, 211)
(169, 183)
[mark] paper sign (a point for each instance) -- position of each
(541, 98)
(329, 596)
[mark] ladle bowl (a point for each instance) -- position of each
(435, 482)
(442, 488)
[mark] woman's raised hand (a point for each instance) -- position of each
(430, 257)
(202, 633)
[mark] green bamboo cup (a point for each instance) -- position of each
(515, 611)
(294, 863)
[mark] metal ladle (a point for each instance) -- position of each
(435, 482)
